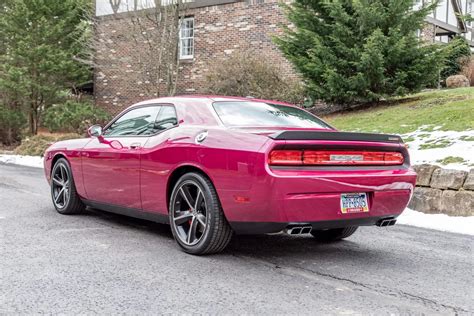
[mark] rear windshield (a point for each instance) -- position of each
(260, 114)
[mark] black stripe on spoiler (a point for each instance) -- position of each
(313, 135)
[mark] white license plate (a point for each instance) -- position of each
(354, 203)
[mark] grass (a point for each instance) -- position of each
(451, 159)
(436, 143)
(447, 110)
(423, 135)
(408, 139)
(36, 145)
(467, 138)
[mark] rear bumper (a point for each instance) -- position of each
(283, 197)
(250, 228)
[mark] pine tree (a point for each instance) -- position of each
(41, 42)
(354, 51)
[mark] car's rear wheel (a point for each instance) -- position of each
(63, 190)
(330, 235)
(196, 217)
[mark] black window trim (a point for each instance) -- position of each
(257, 101)
(139, 107)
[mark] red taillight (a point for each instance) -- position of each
(394, 158)
(286, 157)
(334, 157)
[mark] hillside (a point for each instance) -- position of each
(438, 126)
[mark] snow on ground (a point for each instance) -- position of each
(454, 224)
(450, 143)
(30, 161)
(459, 148)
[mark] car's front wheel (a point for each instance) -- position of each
(63, 190)
(196, 217)
(330, 235)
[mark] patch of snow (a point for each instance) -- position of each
(456, 148)
(461, 225)
(30, 161)
(454, 224)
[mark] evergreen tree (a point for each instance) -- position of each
(352, 51)
(41, 42)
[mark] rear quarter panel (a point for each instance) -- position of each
(229, 158)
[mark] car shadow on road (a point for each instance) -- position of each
(281, 246)
(284, 245)
(130, 222)
(304, 252)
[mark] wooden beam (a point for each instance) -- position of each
(459, 16)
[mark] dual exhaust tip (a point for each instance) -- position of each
(306, 229)
(386, 222)
(298, 229)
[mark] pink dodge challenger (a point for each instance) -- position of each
(213, 166)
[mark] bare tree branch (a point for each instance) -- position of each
(155, 34)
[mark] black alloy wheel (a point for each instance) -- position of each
(196, 217)
(63, 190)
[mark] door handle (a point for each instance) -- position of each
(135, 146)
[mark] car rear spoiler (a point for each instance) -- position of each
(334, 135)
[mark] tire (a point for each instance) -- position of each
(331, 235)
(68, 202)
(196, 218)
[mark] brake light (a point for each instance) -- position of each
(286, 157)
(334, 157)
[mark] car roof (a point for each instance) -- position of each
(209, 98)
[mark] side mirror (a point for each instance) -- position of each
(95, 131)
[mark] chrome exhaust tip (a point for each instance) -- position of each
(386, 222)
(306, 230)
(298, 230)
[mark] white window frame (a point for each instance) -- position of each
(182, 38)
(469, 10)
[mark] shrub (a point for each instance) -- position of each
(11, 123)
(453, 53)
(467, 68)
(36, 145)
(245, 74)
(73, 117)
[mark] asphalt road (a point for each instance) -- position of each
(107, 264)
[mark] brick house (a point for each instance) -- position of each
(213, 30)
(220, 28)
(446, 22)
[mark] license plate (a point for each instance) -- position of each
(354, 203)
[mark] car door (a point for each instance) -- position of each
(157, 161)
(111, 163)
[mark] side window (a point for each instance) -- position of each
(140, 121)
(167, 118)
(186, 38)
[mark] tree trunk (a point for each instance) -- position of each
(33, 121)
(9, 139)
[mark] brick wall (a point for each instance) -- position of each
(220, 31)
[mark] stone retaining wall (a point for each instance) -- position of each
(443, 191)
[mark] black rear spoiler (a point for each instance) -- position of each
(334, 135)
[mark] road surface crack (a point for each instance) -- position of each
(306, 273)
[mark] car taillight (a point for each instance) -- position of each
(286, 157)
(334, 157)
